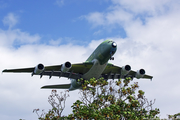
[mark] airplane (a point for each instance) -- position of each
(96, 66)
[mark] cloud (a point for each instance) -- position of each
(150, 7)
(15, 37)
(97, 32)
(125, 12)
(95, 18)
(10, 20)
(55, 42)
(152, 43)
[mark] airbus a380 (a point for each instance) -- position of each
(96, 66)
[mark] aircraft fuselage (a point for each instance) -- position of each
(99, 58)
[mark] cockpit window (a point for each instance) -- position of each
(110, 41)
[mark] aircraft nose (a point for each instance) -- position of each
(113, 48)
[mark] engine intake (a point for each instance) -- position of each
(39, 69)
(125, 70)
(66, 66)
(140, 73)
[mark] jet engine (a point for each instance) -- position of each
(125, 70)
(66, 66)
(39, 69)
(140, 73)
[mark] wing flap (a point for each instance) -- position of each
(61, 74)
(118, 76)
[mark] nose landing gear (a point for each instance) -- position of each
(111, 55)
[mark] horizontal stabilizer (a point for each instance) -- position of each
(62, 86)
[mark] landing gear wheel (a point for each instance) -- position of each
(111, 58)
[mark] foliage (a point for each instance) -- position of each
(109, 100)
(175, 116)
(112, 100)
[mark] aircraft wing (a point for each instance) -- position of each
(77, 70)
(74, 72)
(115, 72)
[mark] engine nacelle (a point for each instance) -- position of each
(66, 66)
(39, 69)
(125, 70)
(140, 73)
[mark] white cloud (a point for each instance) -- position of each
(12, 37)
(11, 20)
(15, 37)
(95, 18)
(118, 16)
(55, 42)
(126, 12)
(150, 7)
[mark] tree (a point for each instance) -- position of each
(108, 100)
(57, 101)
(112, 100)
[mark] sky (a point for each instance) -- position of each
(55, 31)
